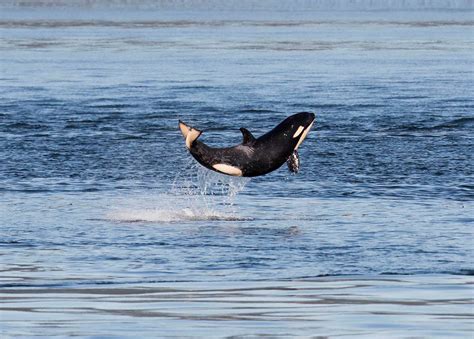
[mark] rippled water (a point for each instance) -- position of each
(108, 227)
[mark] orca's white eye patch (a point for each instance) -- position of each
(228, 169)
(303, 136)
(298, 132)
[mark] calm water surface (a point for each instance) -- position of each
(109, 228)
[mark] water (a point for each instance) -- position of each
(109, 228)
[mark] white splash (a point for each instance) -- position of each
(168, 215)
(197, 194)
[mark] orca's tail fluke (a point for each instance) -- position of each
(190, 134)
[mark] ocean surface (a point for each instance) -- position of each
(109, 228)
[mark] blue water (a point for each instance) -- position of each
(109, 228)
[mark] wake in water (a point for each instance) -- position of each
(196, 194)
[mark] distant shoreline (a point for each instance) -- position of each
(277, 5)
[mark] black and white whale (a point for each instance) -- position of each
(254, 156)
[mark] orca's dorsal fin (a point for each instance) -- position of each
(248, 137)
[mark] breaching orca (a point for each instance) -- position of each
(254, 156)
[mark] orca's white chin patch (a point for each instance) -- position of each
(303, 136)
(228, 169)
(189, 133)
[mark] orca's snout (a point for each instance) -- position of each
(305, 118)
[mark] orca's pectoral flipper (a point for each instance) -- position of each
(249, 139)
(190, 134)
(293, 162)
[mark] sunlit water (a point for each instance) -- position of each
(109, 228)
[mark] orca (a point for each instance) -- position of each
(254, 156)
